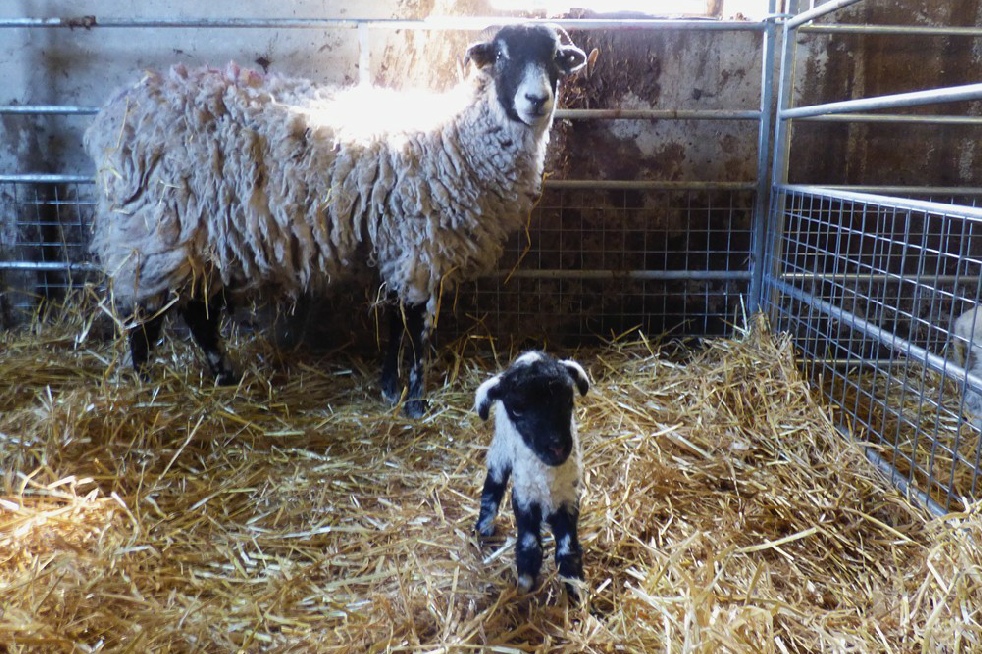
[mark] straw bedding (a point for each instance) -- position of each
(296, 513)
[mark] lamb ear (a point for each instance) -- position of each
(485, 395)
(578, 375)
(481, 54)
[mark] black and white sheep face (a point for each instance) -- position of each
(537, 393)
(527, 62)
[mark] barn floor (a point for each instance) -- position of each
(298, 513)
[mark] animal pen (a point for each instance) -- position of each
(805, 479)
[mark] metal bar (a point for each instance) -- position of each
(759, 235)
(49, 266)
(46, 178)
(779, 169)
(818, 12)
(662, 275)
(879, 277)
(968, 213)
(37, 109)
(785, 90)
(908, 190)
(619, 185)
(913, 99)
(555, 184)
(894, 118)
(904, 30)
(659, 275)
(569, 114)
(658, 114)
(446, 23)
(611, 114)
(846, 363)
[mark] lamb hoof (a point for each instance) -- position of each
(485, 528)
(415, 408)
(573, 590)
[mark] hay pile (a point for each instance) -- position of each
(297, 513)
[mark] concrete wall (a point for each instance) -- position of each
(82, 65)
(845, 66)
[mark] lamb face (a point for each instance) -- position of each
(537, 394)
(541, 409)
(527, 62)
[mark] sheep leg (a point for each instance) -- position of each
(528, 551)
(494, 490)
(416, 329)
(203, 320)
(143, 337)
(569, 554)
(391, 389)
(409, 321)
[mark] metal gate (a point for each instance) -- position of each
(602, 257)
(870, 279)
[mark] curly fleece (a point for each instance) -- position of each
(228, 179)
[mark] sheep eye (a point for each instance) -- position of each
(498, 55)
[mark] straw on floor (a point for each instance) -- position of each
(297, 512)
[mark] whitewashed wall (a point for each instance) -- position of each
(82, 66)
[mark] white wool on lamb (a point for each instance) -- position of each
(217, 183)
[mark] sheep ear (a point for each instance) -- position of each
(578, 374)
(481, 54)
(571, 59)
(485, 395)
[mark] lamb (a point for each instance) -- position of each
(221, 184)
(535, 443)
(966, 339)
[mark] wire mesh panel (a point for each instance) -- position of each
(592, 263)
(43, 249)
(602, 263)
(870, 287)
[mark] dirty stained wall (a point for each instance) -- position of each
(845, 66)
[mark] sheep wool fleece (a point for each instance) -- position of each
(233, 180)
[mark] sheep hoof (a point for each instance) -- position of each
(228, 378)
(391, 392)
(415, 408)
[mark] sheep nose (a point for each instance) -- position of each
(537, 101)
